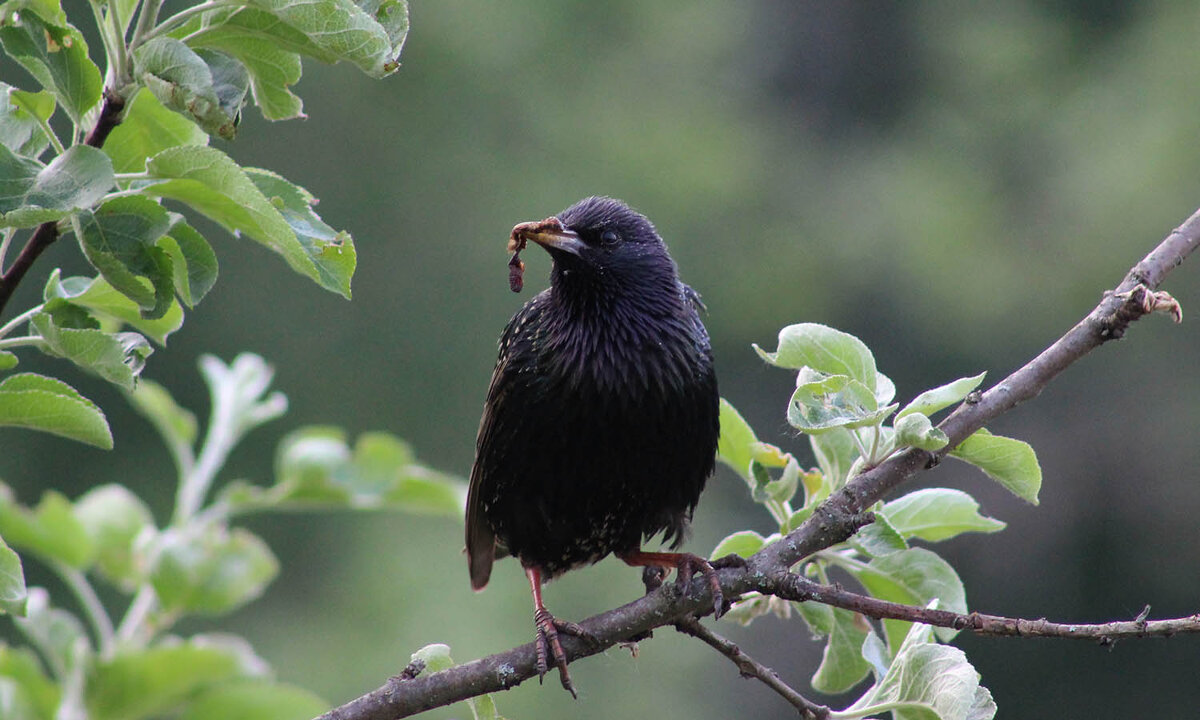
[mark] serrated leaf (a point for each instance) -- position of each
(327, 30)
(31, 194)
(210, 570)
(942, 397)
(735, 446)
(836, 401)
(56, 55)
(148, 129)
(914, 577)
(744, 543)
(842, 665)
(119, 239)
(879, 538)
(183, 81)
(254, 700)
(1010, 462)
(825, 350)
(13, 593)
(50, 530)
(110, 308)
(113, 516)
(214, 185)
(936, 514)
(331, 251)
(116, 357)
(272, 71)
(150, 682)
(40, 403)
(20, 130)
(916, 430)
(925, 680)
(192, 259)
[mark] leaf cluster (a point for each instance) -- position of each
(845, 407)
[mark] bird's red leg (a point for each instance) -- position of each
(687, 565)
(548, 628)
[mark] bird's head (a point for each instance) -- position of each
(599, 241)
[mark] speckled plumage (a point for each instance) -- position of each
(600, 425)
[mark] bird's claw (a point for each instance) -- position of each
(689, 565)
(548, 644)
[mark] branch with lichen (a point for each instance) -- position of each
(835, 520)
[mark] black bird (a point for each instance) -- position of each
(600, 425)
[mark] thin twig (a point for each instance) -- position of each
(832, 522)
(790, 586)
(749, 667)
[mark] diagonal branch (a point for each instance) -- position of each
(749, 667)
(835, 520)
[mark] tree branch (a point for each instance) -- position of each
(835, 520)
(46, 233)
(749, 667)
(791, 586)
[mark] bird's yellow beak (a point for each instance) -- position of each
(549, 233)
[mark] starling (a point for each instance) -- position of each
(601, 420)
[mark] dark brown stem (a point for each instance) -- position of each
(790, 586)
(46, 233)
(749, 667)
(832, 522)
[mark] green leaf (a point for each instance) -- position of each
(393, 16)
(8, 361)
(822, 403)
(50, 530)
(192, 259)
(926, 681)
(108, 306)
(885, 389)
(940, 398)
(735, 446)
(20, 130)
(835, 452)
(41, 403)
(254, 700)
(879, 538)
(12, 583)
(327, 30)
(936, 514)
(116, 357)
(272, 71)
(914, 577)
(112, 517)
(210, 570)
(212, 184)
(119, 239)
(435, 658)
(331, 251)
(183, 81)
(57, 634)
(315, 467)
(842, 665)
(744, 543)
(230, 82)
(148, 129)
(31, 194)
(828, 351)
(915, 429)
(21, 666)
(138, 684)
(1012, 463)
(56, 55)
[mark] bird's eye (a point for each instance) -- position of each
(608, 237)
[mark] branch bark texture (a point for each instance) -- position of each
(839, 517)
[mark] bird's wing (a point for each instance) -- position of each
(481, 540)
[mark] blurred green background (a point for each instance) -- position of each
(955, 185)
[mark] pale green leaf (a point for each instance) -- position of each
(879, 538)
(936, 514)
(50, 530)
(917, 430)
(210, 570)
(942, 397)
(113, 516)
(183, 81)
(914, 577)
(254, 699)
(116, 357)
(31, 194)
(1012, 463)
(825, 350)
(735, 446)
(13, 593)
(20, 130)
(192, 259)
(925, 680)
(842, 665)
(22, 666)
(119, 239)
(148, 129)
(109, 307)
(822, 403)
(744, 543)
(40, 403)
(143, 683)
(272, 71)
